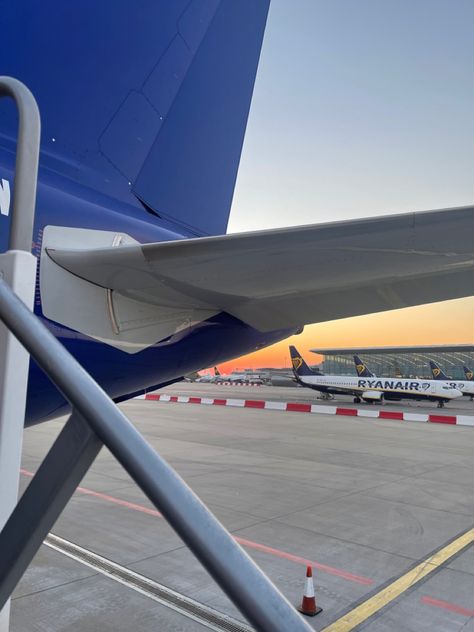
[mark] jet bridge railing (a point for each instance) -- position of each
(97, 421)
(18, 269)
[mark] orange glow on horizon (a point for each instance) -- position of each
(449, 322)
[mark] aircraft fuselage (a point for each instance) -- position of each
(376, 388)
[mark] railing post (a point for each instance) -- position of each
(18, 269)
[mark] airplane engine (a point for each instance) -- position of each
(372, 395)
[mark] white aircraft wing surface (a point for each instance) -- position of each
(281, 278)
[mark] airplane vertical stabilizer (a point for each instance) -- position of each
(361, 368)
(468, 373)
(300, 368)
(437, 372)
(140, 99)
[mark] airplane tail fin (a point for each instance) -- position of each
(300, 368)
(468, 373)
(217, 373)
(437, 372)
(146, 102)
(361, 368)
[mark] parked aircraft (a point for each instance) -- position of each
(370, 388)
(142, 135)
(466, 387)
(208, 378)
(241, 378)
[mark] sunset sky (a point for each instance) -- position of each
(360, 109)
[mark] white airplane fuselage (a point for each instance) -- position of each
(378, 388)
(466, 388)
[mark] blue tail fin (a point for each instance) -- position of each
(437, 372)
(468, 373)
(300, 368)
(140, 100)
(361, 368)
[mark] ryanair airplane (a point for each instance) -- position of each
(466, 388)
(368, 388)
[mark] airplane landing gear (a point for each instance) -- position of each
(326, 396)
(440, 403)
(357, 400)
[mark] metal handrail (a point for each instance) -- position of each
(26, 168)
(243, 581)
(18, 269)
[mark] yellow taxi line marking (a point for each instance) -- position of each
(378, 601)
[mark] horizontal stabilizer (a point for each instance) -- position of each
(289, 277)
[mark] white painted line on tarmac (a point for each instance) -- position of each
(326, 410)
(236, 402)
(415, 417)
(275, 405)
(463, 420)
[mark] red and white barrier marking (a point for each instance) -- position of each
(295, 407)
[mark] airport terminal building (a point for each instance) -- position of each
(400, 361)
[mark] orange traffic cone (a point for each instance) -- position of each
(308, 605)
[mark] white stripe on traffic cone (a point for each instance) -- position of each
(308, 605)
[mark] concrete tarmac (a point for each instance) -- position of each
(363, 500)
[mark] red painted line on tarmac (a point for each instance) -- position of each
(247, 543)
(305, 562)
(254, 403)
(442, 419)
(446, 605)
(110, 499)
(389, 414)
(351, 412)
(308, 408)
(298, 408)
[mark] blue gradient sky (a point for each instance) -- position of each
(361, 107)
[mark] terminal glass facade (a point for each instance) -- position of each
(404, 362)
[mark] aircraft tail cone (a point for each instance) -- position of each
(308, 605)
